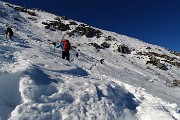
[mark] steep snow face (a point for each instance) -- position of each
(9, 92)
(36, 83)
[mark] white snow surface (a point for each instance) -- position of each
(37, 84)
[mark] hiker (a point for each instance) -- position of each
(66, 46)
(9, 33)
(101, 61)
(77, 55)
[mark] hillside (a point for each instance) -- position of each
(136, 81)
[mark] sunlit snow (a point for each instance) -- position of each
(37, 84)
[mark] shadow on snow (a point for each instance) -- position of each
(39, 77)
(119, 97)
(76, 71)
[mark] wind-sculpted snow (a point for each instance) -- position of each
(37, 84)
(76, 98)
(9, 92)
(11, 69)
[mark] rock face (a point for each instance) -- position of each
(153, 56)
(110, 38)
(123, 49)
(176, 83)
(88, 31)
(23, 9)
(176, 53)
(105, 45)
(156, 62)
(95, 45)
(73, 23)
(56, 25)
(31, 18)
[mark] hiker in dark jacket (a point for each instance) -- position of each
(9, 33)
(66, 46)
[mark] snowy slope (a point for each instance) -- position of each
(37, 84)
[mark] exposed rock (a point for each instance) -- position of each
(95, 45)
(176, 53)
(31, 13)
(148, 48)
(57, 18)
(23, 9)
(64, 18)
(161, 66)
(31, 18)
(176, 83)
(105, 45)
(123, 49)
(168, 59)
(17, 19)
(38, 9)
(174, 63)
(57, 25)
(156, 62)
(98, 33)
(73, 23)
(9, 5)
(88, 31)
(110, 38)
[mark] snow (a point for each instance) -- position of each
(37, 84)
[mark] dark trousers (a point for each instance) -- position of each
(66, 55)
(9, 35)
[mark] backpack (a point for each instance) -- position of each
(66, 44)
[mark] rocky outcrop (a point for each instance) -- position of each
(176, 53)
(110, 38)
(72, 23)
(95, 45)
(9, 5)
(123, 49)
(86, 30)
(64, 18)
(176, 83)
(56, 25)
(82, 29)
(166, 58)
(105, 45)
(31, 18)
(98, 33)
(23, 9)
(15, 18)
(156, 62)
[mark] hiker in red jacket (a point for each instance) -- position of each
(66, 46)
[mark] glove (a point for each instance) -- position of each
(53, 43)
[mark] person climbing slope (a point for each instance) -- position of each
(66, 47)
(9, 33)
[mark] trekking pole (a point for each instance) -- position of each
(54, 44)
(63, 36)
(54, 50)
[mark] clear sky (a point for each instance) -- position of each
(152, 21)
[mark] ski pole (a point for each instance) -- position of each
(54, 50)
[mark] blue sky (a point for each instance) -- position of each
(152, 21)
